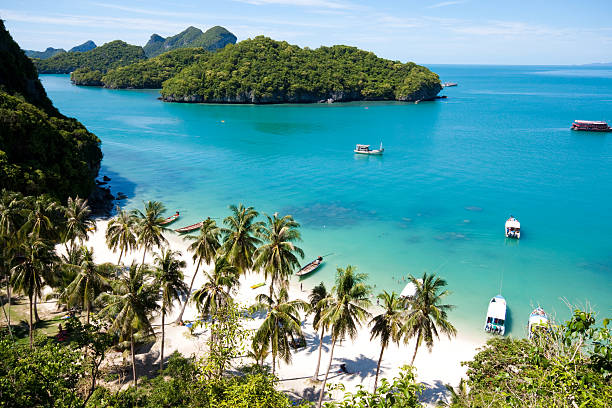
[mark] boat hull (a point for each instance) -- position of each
(371, 153)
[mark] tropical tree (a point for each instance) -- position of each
(345, 310)
(169, 277)
(240, 237)
(387, 325)
(150, 226)
(129, 306)
(121, 233)
(204, 248)
(427, 316)
(317, 295)
(11, 218)
(78, 223)
(216, 291)
(281, 325)
(278, 255)
(41, 218)
(90, 280)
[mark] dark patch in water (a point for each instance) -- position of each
(451, 236)
(334, 214)
(414, 239)
(474, 208)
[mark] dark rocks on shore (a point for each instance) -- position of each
(101, 201)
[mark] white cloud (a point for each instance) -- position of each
(300, 3)
(446, 3)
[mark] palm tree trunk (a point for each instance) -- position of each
(161, 361)
(30, 297)
(8, 293)
(143, 255)
(88, 311)
(36, 317)
(416, 347)
(316, 374)
(331, 357)
(179, 320)
(8, 321)
(133, 357)
(382, 350)
(120, 255)
(273, 363)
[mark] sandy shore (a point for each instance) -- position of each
(441, 366)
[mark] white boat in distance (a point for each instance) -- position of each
(496, 316)
(365, 149)
(538, 320)
(513, 228)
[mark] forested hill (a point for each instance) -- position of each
(262, 70)
(48, 53)
(41, 151)
(213, 39)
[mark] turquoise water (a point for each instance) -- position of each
(452, 172)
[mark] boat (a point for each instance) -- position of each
(189, 228)
(365, 149)
(258, 285)
(447, 84)
(496, 316)
(591, 126)
(538, 320)
(311, 267)
(170, 219)
(513, 228)
(409, 291)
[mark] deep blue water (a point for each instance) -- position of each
(452, 172)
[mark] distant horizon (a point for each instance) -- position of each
(454, 32)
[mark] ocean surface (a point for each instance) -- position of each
(452, 172)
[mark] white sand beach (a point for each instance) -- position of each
(441, 366)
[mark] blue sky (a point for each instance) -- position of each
(424, 31)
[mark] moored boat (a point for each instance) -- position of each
(513, 228)
(365, 149)
(591, 126)
(447, 84)
(496, 316)
(171, 219)
(190, 228)
(311, 267)
(538, 320)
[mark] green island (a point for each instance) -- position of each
(214, 38)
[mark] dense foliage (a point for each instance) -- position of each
(213, 39)
(48, 53)
(110, 55)
(149, 73)
(86, 46)
(262, 70)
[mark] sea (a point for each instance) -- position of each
(452, 172)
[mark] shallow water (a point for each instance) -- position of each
(452, 172)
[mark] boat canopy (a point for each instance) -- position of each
(497, 308)
(591, 122)
(513, 223)
(409, 290)
(360, 146)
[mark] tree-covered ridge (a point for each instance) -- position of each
(214, 38)
(262, 70)
(110, 55)
(86, 46)
(48, 53)
(149, 73)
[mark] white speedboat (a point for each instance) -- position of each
(365, 149)
(496, 316)
(538, 320)
(513, 228)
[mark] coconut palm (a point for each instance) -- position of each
(345, 310)
(11, 217)
(240, 237)
(278, 255)
(150, 226)
(78, 223)
(215, 293)
(90, 280)
(387, 325)
(41, 218)
(35, 256)
(121, 233)
(427, 316)
(170, 280)
(317, 307)
(129, 306)
(204, 248)
(281, 325)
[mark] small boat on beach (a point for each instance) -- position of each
(513, 228)
(189, 228)
(365, 149)
(591, 126)
(258, 285)
(496, 316)
(311, 267)
(170, 219)
(538, 321)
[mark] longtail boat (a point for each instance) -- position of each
(170, 219)
(311, 267)
(189, 228)
(258, 285)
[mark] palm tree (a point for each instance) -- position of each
(130, 305)
(36, 255)
(91, 279)
(150, 226)
(345, 310)
(11, 216)
(215, 293)
(426, 316)
(317, 294)
(121, 233)
(41, 217)
(281, 324)
(388, 324)
(170, 279)
(240, 238)
(204, 248)
(78, 223)
(277, 256)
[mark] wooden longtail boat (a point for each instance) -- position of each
(170, 219)
(190, 228)
(311, 267)
(258, 285)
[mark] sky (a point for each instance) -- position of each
(539, 32)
